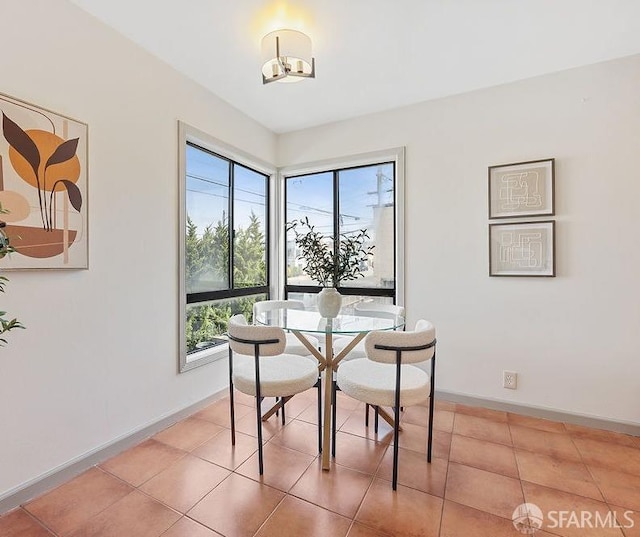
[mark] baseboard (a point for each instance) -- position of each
(585, 420)
(63, 473)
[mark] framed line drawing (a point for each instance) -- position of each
(43, 187)
(522, 189)
(522, 249)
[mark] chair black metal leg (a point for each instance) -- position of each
(319, 386)
(231, 403)
(259, 425)
(277, 409)
(431, 406)
(396, 422)
(333, 418)
(396, 429)
(283, 402)
(375, 419)
(366, 415)
(259, 413)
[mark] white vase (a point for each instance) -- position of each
(329, 302)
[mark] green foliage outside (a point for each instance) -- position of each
(207, 258)
(249, 268)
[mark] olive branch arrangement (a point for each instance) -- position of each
(323, 263)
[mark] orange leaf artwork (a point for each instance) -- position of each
(43, 186)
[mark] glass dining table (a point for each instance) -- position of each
(301, 322)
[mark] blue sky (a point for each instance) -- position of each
(208, 191)
(310, 195)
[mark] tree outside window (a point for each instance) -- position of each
(225, 273)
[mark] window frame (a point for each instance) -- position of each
(188, 135)
(395, 156)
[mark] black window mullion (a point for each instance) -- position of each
(284, 254)
(357, 291)
(208, 296)
(395, 233)
(267, 233)
(336, 216)
(232, 227)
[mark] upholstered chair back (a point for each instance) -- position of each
(239, 328)
(423, 334)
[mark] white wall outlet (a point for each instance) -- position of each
(510, 380)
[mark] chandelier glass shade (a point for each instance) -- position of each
(286, 57)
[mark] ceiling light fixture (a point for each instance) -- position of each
(286, 56)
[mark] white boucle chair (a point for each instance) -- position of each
(367, 308)
(294, 345)
(387, 377)
(271, 373)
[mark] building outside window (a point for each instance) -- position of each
(343, 201)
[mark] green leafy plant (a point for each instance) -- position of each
(207, 255)
(328, 265)
(5, 248)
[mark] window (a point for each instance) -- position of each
(225, 215)
(343, 200)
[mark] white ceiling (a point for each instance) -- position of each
(372, 55)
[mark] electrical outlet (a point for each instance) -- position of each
(509, 380)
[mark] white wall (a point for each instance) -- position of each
(572, 339)
(99, 356)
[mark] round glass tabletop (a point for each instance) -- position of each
(310, 321)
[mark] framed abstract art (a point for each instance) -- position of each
(522, 189)
(522, 249)
(43, 187)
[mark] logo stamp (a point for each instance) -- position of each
(527, 518)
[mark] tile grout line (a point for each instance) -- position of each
(334, 464)
(446, 475)
(97, 467)
(104, 470)
(515, 456)
(149, 495)
(593, 477)
(271, 513)
(371, 482)
(355, 516)
(473, 464)
(595, 481)
(568, 433)
(38, 521)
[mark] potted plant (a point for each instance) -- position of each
(5, 248)
(328, 265)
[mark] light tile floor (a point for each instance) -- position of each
(188, 481)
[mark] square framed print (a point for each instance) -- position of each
(522, 189)
(522, 249)
(43, 187)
